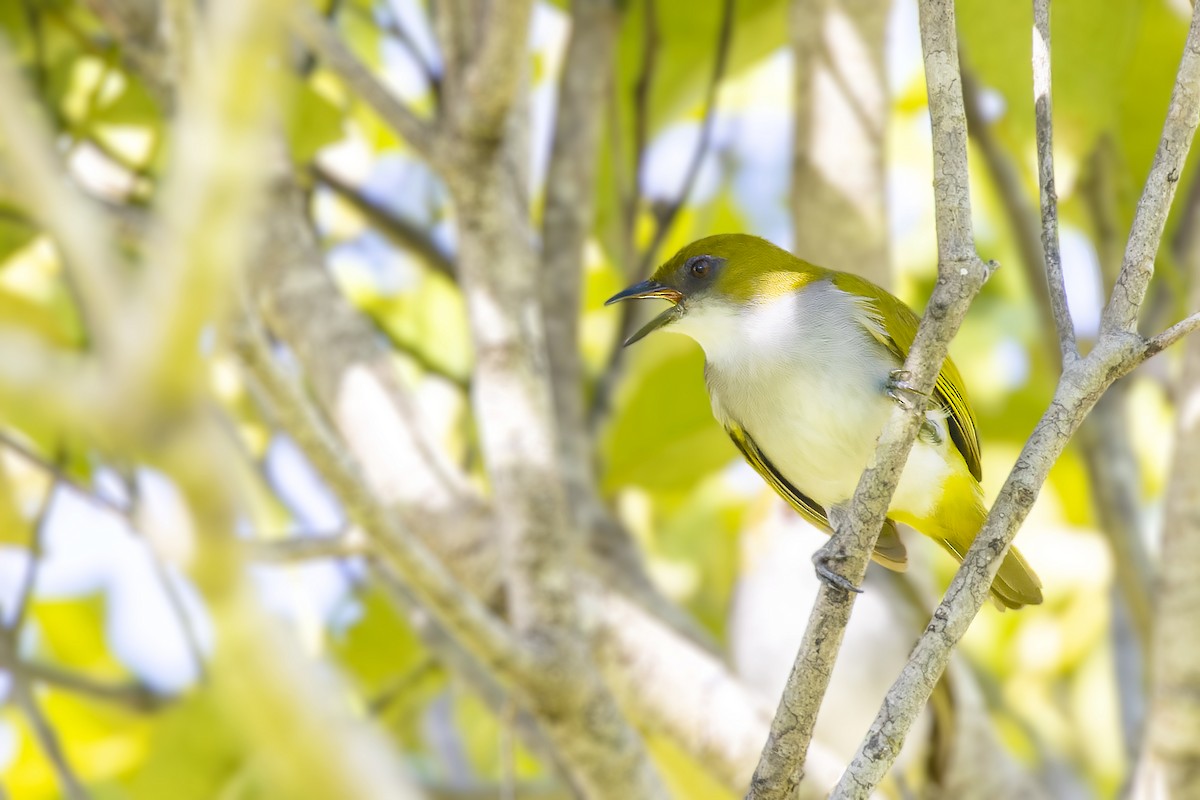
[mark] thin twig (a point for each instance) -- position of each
(353, 542)
(133, 696)
(641, 114)
(22, 689)
(1172, 334)
(315, 32)
(58, 474)
(58, 205)
(666, 216)
(406, 233)
(1022, 216)
(47, 737)
(1121, 313)
(1043, 110)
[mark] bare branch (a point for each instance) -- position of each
(59, 206)
(291, 549)
(960, 276)
(21, 688)
(1172, 334)
(1045, 149)
(566, 222)
(666, 215)
(405, 233)
(840, 110)
(317, 33)
(1183, 114)
(456, 608)
(1170, 764)
(48, 739)
(1022, 216)
(1083, 382)
(491, 78)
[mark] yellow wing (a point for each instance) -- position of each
(896, 329)
(889, 549)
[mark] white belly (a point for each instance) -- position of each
(807, 381)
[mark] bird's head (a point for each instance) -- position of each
(722, 273)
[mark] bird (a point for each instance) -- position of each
(803, 365)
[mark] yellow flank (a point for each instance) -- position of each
(955, 520)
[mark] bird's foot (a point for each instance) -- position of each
(903, 392)
(824, 561)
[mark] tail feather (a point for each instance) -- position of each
(1016, 583)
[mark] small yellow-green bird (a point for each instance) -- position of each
(802, 364)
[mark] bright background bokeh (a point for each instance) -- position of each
(112, 599)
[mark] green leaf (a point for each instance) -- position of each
(192, 739)
(71, 635)
(663, 436)
(313, 122)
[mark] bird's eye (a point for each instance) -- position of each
(699, 267)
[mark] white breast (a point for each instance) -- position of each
(804, 377)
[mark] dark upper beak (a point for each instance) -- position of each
(652, 290)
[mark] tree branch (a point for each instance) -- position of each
(60, 207)
(1121, 313)
(1043, 110)
(491, 77)
(1022, 216)
(840, 109)
(1118, 351)
(960, 276)
(566, 222)
(405, 233)
(1170, 763)
(312, 29)
(665, 216)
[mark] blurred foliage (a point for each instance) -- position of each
(665, 464)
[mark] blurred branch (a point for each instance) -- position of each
(348, 544)
(21, 688)
(60, 207)
(403, 232)
(642, 90)
(47, 738)
(457, 609)
(1118, 351)
(135, 24)
(59, 475)
(353, 377)
(566, 222)
(1170, 765)
(1022, 216)
(490, 81)
(1043, 112)
(840, 110)
(514, 413)
(1151, 216)
(401, 34)
(320, 35)
(961, 274)
(664, 216)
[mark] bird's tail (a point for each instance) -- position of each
(1015, 584)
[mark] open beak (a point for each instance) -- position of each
(655, 291)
